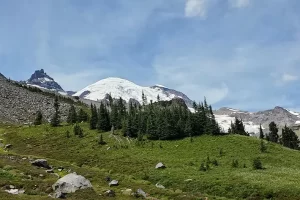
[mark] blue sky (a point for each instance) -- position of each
(238, 53)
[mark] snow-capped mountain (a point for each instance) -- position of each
(43, 81)
(252, 120)
(118, 87)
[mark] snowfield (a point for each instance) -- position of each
(225, 121)
(118, 87)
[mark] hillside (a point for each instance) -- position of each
(20, 104)
(133, 164)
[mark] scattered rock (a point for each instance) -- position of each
(160, 166)
(188, 180)
(69, 184)
(49, 171)
(8, 146)
(24, 158)
(127, 192)
(60, 169)
(108, 179)
(57, 195)
(110, 193)
(41, 175)
(11, 187)
(15, 191)
(159, 186)
(114, 183)
(108, 148)
(41, 163)
(141, 193)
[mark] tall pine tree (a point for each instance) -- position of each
(55, 120)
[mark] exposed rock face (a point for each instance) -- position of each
(19, 105)
(41, 163)
(69, 184)
(114, 183)
(279, 115)
(41, 79)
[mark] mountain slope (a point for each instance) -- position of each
(42, 80)
(19, 105)
(118, 87)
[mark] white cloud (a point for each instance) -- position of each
(288, 77)
(239, 3)
(194, 8)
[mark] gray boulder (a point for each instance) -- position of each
(159, 186)
(114, 183)
(160, 166)
(69, 184)
(140, 192)
(8, 146)
(41, 163)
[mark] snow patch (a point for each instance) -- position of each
(225, 122)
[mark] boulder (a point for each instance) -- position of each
(8, 146)
(159, 186)
(15, 191)
(127, 192)
(114, 183)
(41, 163)
(160, 166)
(110, 193)
(49, 171)
(69, 184)
(140, 192)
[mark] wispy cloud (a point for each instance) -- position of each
(239, 3)
(196, 8)
(288, 77)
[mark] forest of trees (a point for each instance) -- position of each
(161, 120)
(165, 120)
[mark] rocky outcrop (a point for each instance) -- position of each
(20, 105)
(41, 79)
(70, 184)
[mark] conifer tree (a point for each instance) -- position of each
(55, 120)
(94, 117)
(273, 135)
(82, 116)
(261, 133)
(72, 115)
(289, 138)
(103, 123)
(38, 118)
(188, 128)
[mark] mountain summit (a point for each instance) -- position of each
(42, 80)
(118, 87)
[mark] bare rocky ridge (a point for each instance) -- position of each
(279, 115)
(19, 105)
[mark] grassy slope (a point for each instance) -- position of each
(134, 166)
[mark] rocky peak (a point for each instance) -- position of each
(38, 74)
(41, 79)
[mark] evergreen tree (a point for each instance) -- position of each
(263, 147)
(273, 135)
(289, 138)
(55, 120)
(38, 118)
(238, 127)
(82, 116)
(77, 130)
(101, 141)
(94, 117)
(188, 128)
(151, 128)
(261, 133)
(158, 98)
(103, 123)
(72, 115)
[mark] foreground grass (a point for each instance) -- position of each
(134, 165)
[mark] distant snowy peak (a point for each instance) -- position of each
(42, 80)
(118, 87)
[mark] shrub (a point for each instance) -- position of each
(235, 164)
(263, 147)
(257, 164)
